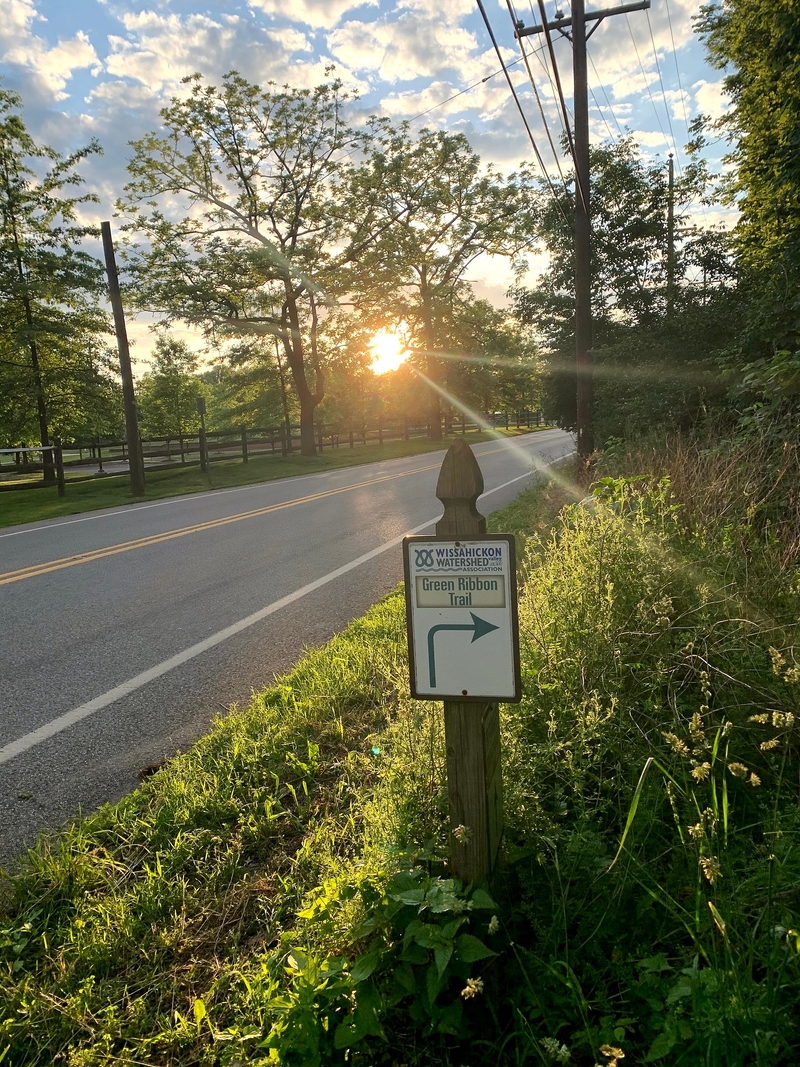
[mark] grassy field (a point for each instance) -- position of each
(31, 505)
(280, 893)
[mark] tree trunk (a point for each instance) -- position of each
(432, 365)
(307, 444)
(284, 397)
(293, 344)
(48, 467)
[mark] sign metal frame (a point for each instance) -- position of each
(509, 539)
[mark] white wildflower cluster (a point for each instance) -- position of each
(555, 1052)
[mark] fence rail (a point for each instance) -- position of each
(101, 458)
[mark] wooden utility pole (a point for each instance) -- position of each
(671, 240)
(577, 22)
(135, 459)
(472, 731)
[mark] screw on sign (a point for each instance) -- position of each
(461, 607)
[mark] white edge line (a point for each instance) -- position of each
(126, 509)
(119, 692)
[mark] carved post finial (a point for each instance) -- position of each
(459, 486)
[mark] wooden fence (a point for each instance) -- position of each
(106, 457)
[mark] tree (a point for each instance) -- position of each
(654, 347)
(49, 288)
(436, 210)
(168, 393)
(248, 385)
(254, 241)
(758, 42)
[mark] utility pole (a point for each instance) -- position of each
(671, 240)
(135, 461)
(576, 22)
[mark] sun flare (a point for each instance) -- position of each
(389, 350)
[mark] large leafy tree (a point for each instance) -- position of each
(436, 210)
(241, 233)
(168, 393)
(758, 44)
(655, 343)
(51, 324)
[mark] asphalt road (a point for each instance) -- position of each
(124, 632)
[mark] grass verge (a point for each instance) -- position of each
(280, 893)
(32, 505)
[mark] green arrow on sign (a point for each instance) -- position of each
(480, 628)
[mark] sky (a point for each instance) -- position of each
(103, 68)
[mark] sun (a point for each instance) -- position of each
(389, 350)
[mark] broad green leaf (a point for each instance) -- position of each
(661, 1047)
(433, 983)
(364, 966)
(442, 955)
(481, 900)
(470, 949)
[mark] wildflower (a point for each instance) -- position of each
(767, 745)
(462, 834)
(696, 728)
(711, 868)
(701, 771)
(676, 744)
(759, 718)
(494, 924)
(785, 718)
(554, 1051)
(792, 675)
(697, 832)
(738, 770)
(472, 988)
(754, 780)
(778, 660)
(612, 1054)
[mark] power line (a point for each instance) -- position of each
(663, 90)
(521, 112)
(678, 70)
(605, 94)
(546, 69)
(567, 129)
(647, 83)
(602, 115)
(531, 79)
(474, 85)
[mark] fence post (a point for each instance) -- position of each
(405, 427)
(472, 731)
(319, 437)
(351, 438)
(99, 458)
(244, 446)
(59, 467)
(380, 434)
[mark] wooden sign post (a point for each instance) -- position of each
(462, 620)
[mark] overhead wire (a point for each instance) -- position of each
(554, 65)
(521, 112)
(605, 94)
(532, 80)
(678, 71)
(663, 90)
(647, 83)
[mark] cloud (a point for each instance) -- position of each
(321, 14)
(416, 44)
(51, 67)
(159, 50)
(711, 98)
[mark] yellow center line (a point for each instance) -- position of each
(35, 570)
